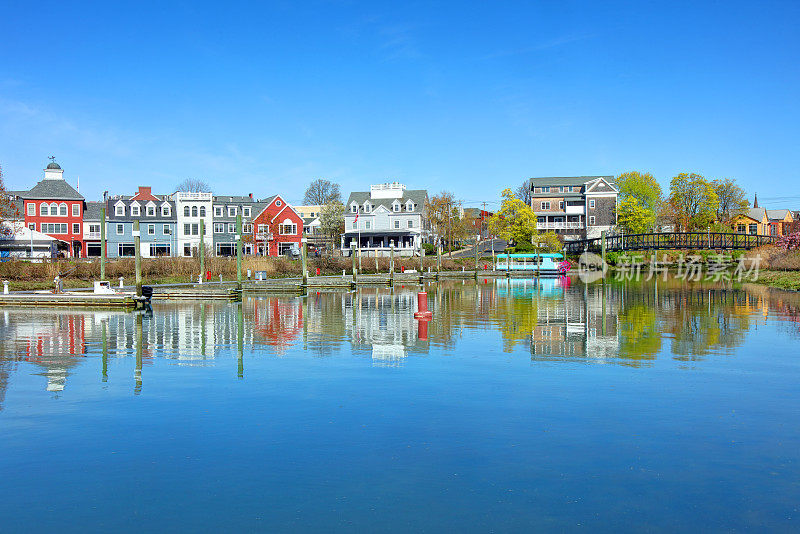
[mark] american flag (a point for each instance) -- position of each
(358, 211)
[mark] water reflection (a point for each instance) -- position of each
(551, 319)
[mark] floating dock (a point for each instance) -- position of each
(70, 300)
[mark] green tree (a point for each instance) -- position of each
(692, 202)
(635, 217)
(732, 200)
(640, 201)
(515, 221)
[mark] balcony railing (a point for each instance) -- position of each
(560, 226)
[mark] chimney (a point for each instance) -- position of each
(251, 197)
(145, 191)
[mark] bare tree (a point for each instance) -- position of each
(523, 192)
(321, 192)
(8, 210)
(193, 185)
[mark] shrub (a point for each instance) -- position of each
(430, 249)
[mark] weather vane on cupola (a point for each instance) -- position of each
(52, 159)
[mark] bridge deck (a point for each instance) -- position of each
(671, 240)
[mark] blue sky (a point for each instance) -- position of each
(467, 97)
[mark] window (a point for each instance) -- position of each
(159, 249)
(591, 219)
(569, 189)
(195, 229)
(397, 224)
(54, 228)
(76, 228)
(561, 205)
(62, 210)
(410, 223)
(135, 211)
(151, 211)
(278, 203)
(76, 210)
(165, 211)
(126, 249)
(93, 250)
(217, 211)
(167, 230)
(31, 208)
(246, 211)
(43, 209)
(353, 208)
(409, 206)
(247, 228)
(355, 225)
(151, 229)
(366, 225)
(545, 206)
(396, 206)
(285, 248)
(186, 211)
(561, 189)
(119, 211)
(94, 228)
(219, 228)
(287, 229)
(187, 229)
(120, 229)
(226, 249)
(591, 203)
(231, 228)
(232, 211)
(32, 226)
(546, 189)
(194, 211)
(753, 228)
(741, 228)
(202, 211)
(773, 229)
(262, 229)
(187, 250)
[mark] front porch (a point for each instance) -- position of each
(379, 244)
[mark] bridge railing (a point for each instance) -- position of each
(671, 240)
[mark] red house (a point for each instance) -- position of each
(277, 228)
(55, 208)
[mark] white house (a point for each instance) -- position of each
(388, 214)
(191, 208)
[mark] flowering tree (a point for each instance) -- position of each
(789, 242)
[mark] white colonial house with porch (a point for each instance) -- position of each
(387, 215)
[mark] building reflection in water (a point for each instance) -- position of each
(553, 319)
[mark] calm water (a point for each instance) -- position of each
(523, 406)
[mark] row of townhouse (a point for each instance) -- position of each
(169, 225)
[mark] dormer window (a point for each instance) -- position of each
(546, 189)
(353, 208)
(217, 211)
(151, 211)
(246, 211)
(232, 211)
(135, 211)
(367, 207)
(119, 210)
(409, 206)
(395, 206)
(165, 211)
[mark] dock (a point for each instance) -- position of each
(69, 300)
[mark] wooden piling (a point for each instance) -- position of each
(391, 264)
(304, 259)
(202, 250)
(103, 243)
(355, 270)
(238, 250)
(137, 241)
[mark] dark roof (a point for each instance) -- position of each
(53, 165)
(92, 211)
(52, 189)
(776, 214)
(417, 196)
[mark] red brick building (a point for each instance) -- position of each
(55, 208)
(277, 228)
